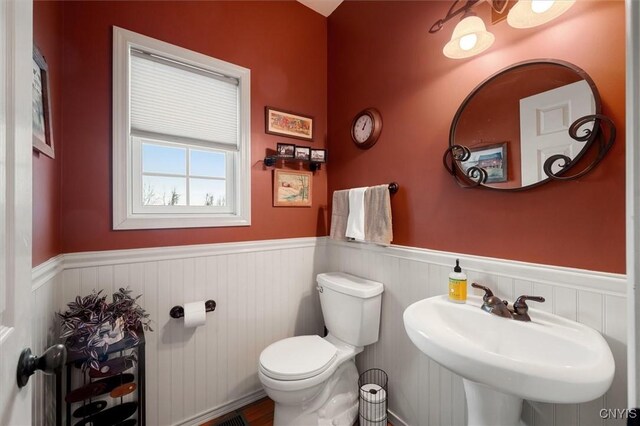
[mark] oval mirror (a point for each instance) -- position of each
(519, 117)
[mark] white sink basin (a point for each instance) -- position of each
(550, 359)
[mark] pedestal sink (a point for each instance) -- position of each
(503, 361)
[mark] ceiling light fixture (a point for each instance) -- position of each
(531, 13)
(470, 36)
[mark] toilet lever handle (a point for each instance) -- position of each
(319, 288)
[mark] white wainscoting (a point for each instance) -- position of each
(265, 291)
(45, 300)
(421, 393)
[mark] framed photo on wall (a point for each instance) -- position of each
(292, 188)
(303, 153)
(286, 150)
(492, 158)
(41, 106)
(319, 155)
(289, 124)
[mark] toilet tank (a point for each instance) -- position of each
(351, 307)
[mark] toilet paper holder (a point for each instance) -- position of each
(178, 311)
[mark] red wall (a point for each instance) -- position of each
(283, 43)
(47, 35)
(382, 55)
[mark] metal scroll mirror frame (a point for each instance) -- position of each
(485, 148)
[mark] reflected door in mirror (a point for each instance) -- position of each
(545, 119)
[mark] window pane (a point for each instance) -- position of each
(163, 159)
(207, 163)
(208, 192)
(164, 191)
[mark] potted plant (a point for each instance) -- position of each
(91, 324)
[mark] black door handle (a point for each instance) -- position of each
(50, 361)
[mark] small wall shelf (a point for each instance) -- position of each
(272, 161)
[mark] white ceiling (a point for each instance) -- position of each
(323, 7)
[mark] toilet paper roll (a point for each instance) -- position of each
(373, 404)
(195, 314)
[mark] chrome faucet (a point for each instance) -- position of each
(492, 304)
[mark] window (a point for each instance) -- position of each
(181, 147)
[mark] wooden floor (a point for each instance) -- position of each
(259, 413)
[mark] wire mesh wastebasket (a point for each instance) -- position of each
(373, 397)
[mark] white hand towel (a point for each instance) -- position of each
(355, 221)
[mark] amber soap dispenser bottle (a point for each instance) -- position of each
(458, 285)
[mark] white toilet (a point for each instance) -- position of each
(314, 380)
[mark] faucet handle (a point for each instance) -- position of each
(487, 291)
(520, 306)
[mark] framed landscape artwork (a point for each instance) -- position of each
(292, 188)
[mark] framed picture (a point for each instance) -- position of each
(492, 158)
(286, 150)
(303, 153)
(285, 123)
(41, 106)
(319, 155)
(291, 188)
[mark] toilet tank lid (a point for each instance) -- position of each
(350, 284)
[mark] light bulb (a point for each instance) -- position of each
(469, 38)
(531, 13)
(468, 41)
(541, 6)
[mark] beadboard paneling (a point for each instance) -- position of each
(265, 292)
(423, 393)
(46, 280)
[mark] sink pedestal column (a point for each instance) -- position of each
(489, 407)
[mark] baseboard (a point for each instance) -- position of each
(395, 420)
(223, 409)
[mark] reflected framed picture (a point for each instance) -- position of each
(41, 105)
(492, 158)
(292, 188)
(286, 150)
(289, 124)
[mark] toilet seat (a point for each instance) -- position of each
(297, 358)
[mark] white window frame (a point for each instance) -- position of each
(125, 214)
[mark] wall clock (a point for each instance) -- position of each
(366, 128)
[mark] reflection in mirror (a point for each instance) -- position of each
(519, 118)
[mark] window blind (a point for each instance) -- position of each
(178, 100)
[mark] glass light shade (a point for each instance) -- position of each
(469, 38)
(531, 13)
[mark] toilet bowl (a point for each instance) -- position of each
(314, 380)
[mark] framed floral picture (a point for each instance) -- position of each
(41, 105)
(286, 123)
(292, 188)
